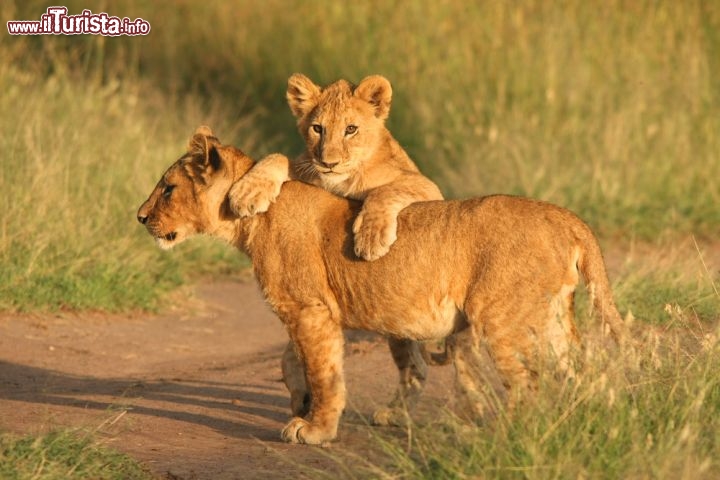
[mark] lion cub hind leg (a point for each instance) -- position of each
(477, 383)
(561, 333)
(508, 335)
(409, 357)
(513, 367)
(319, 343)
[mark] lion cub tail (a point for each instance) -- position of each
(592, 267)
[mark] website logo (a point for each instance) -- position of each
(56, 21)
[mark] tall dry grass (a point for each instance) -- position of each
(648, 414)
(611, 109)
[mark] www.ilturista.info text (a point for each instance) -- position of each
(56, 21)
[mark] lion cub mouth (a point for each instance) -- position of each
(331, 173)
(166, 241)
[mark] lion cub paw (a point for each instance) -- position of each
(374, 234)
(253, 194)
(299, 430)
(390, 416)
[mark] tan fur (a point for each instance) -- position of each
(500, 269)
(365, 164)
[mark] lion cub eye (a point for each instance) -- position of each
(350, 129)
(317, 128)
(168, 190)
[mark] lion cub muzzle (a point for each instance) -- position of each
(164, 239)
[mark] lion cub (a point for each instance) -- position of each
(351, 153)
(500, 272)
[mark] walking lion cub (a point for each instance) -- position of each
(502, 269)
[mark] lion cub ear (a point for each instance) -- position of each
(200, 139)
(204, 130)
(376, 90)
(202, 144)
(302, 94)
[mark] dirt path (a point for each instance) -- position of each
(194, 394)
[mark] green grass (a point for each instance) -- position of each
(658, 299)
(64, 455)
(81, 159)
(609, 109)
(669, 285)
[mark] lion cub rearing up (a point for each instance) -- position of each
(351, 153)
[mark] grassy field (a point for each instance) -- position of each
(63, 455)
(609, 108)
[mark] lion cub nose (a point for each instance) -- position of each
(142, 219)
(329, 165)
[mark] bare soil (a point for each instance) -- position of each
(195, 393)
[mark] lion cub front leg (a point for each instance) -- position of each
(375, 230)
(319, 343)
(375, 227)
(260, 187)
(294, 378)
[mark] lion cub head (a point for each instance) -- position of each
(343, 125)
(190, 198)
